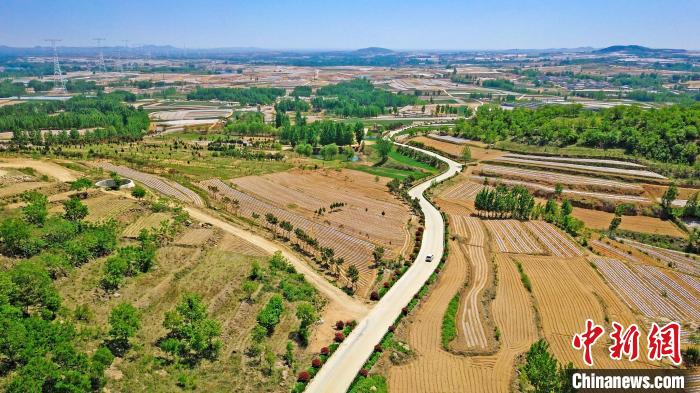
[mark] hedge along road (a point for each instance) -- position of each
(342, 367)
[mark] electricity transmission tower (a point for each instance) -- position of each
(101, 60)
(59, 81)
(126, 50)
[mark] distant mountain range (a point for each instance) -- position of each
(638, 50)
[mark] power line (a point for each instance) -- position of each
(59, 81)
(101, 59)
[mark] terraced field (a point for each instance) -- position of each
(351, 249)
(567, 293)
(635, 291)
(551, 178)
(434, 370)
(105, 207)
(536, 161)
(370, 211)
(147, 222)
(511, 236)
(574, 160)
(683, 262)
(171, 189)
(536, 186)
(462, 190)
(556, 242)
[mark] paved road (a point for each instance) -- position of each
(342, 368)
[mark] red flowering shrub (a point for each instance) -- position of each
(303, 376)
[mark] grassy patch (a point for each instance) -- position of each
(404, 160)
(365, 385)
(663, 241)
(449, 322)
(392, 173)
(523, 277)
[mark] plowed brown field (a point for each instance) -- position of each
(435, 370)
(567, 293)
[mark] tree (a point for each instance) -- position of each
(615, 223)
(668, 198)
(124, 322)
(81, 184)
(359, 132)
(138, 192)
(383, 147)
(378, 255)
(36, 211)
(74, 209)
(328, 152)
(272, 220)
(32, 288)
(249, 288)
(306, 313)
(192, 334)
(544, 372)
(466, 153)
(566, 208)
(353, 274)
(558, 190)
(269, 316)
(287, 227)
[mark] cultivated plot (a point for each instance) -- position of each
(511, 236)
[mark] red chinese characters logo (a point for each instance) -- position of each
(586, 340)
(625, 342)
(665, 342)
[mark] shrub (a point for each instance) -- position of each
(325, 351)
(303, 376)
(404, 310)
(339, 325)
(316, 363)
(378, 348)
(364, 372)
(339, 337)
(374, 296)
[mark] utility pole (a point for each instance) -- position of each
(101, 59)
(59, 81)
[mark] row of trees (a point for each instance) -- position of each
(668, 134)
(292, 105)
(359, 98)
(323, 132)
(516, 202)
(245, 96)
(248, 123)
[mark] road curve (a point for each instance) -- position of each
(342, 367)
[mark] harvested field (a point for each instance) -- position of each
(547, 189)
(108, 206)
(511, 236)
(472, 328)
(469, 230)
(434, 370)
(567, 293)
(635, 291)
(353, 250)
(556, 242)
(462, 190)
(613, 252)
(596, 219)
(586, 169)
(575, 160)
(148, 222)
(194, 237)
(172, 189)
(18, 188)
(455, 140)
(241, 246)
(552, 178)
(47, 168)
(455, 149)
(680, 261)
(370, 211)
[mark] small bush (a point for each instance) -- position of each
(339, 325)
(325, 351)
(303, 376)
(316, 363)
(374, 296)
(364, 372)
(339, 337)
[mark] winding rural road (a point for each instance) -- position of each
(342, 367)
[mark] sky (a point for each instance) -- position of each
(352, 24)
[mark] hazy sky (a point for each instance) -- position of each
(405, 24)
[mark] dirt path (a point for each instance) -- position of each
(44, 167)
(338, 300)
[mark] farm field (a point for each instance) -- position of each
(511, 236)
(681, 261)
(352, 249)
(462, 190)
(370, 211)
(435, 370)
(156, 183)
(478, 153)
(555, 241)
(578, 168)
(567, 293)
(553, 178)
(596, 219)
(550, 190)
